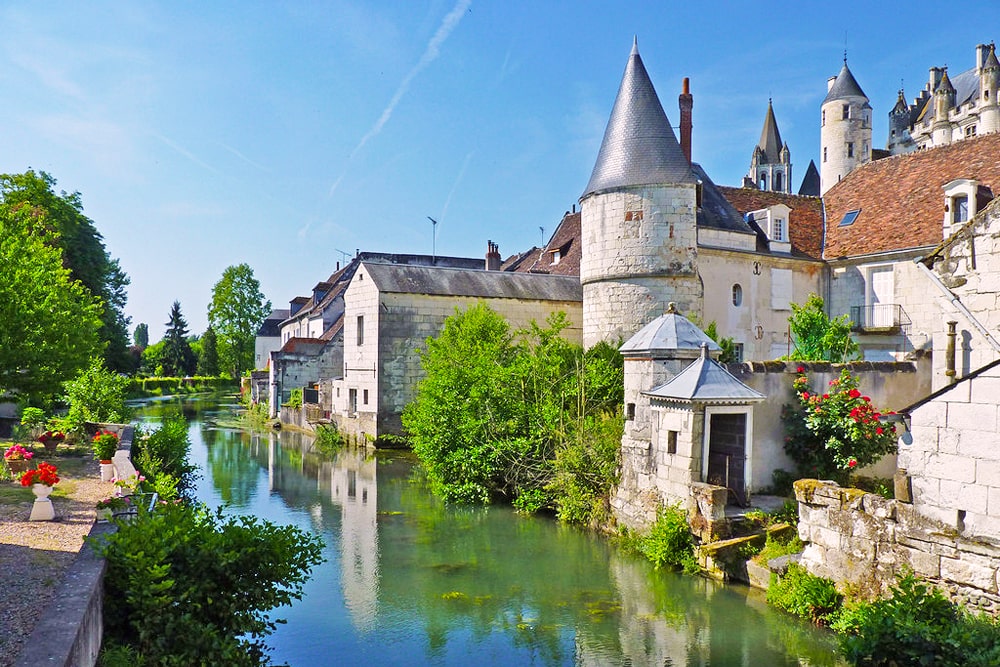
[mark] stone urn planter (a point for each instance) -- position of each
(42, 509)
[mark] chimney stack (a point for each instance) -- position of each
(686, 103)
(492, 256)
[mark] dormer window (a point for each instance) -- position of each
(960, 209)
(556, 256)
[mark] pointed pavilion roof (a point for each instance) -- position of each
(991, 59)
(670, 331)
(945, 84)
(706, 381)
(844, 86)
(639, 146)
(770, 139)
(810, 182)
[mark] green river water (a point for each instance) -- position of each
(410, 581)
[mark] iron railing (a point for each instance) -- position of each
(879, 318)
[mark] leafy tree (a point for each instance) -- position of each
(208, 357)
(152, 359)
(178, 359)
(141, 335)
(237, 310)
(49, 323)
(83, 253)
(819, 338)
(525, 415)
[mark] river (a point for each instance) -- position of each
(410, 581)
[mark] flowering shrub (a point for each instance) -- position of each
(114, 503)
(44, 474)
(17, 453)
(833, 431)
(129, 485)
(105, 445)
(51, 436)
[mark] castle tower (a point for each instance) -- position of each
(639, 238)
(900, 118)
(944, 102)
(845, 129)
(989, 85)
(771, 164)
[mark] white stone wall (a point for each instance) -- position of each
(639, 253)
(954, 458)
(720, 238)
(721, 270)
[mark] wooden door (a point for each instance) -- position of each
(727, 454)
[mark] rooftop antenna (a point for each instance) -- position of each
(541, 236)
(343, 255)
(434, 224)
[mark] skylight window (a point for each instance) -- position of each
(849, 218)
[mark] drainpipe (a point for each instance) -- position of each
(949, 353)
(976, 324)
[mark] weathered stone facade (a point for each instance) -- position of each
(640, 253)
(865, 540)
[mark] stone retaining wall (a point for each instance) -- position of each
(865, 540)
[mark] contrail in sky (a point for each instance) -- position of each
(431, 53)
(454, 186)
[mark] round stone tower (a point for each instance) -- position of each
(989, 85)
(639, 236)
(845, 129)
(944, 102)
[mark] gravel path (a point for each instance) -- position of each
(35, 554)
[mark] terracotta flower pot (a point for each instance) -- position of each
(18, 466)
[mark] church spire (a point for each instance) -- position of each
(770, 139)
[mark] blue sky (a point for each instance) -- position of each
(283, 135)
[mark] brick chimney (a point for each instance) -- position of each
(492, 256)
(686, 102)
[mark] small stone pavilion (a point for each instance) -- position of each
(688, 425)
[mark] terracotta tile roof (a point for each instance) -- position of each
(901, 198)
(303, 345)
(565, 240)
(805, 222)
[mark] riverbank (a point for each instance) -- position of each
(36, 554)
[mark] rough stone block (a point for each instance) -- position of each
(951, 467)
(926, 490)
(970, 570)
(924, 564)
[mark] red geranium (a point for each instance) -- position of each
(44, 474)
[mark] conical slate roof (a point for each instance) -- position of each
(810, 182)
(770, 139)
(706, 381)
(844, 86)
(945, 84)
(670, 331)
(639, 147)
(991, 59)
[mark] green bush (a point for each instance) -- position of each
(668, 542)
(803, 594)
(163, 453)
(917, 625)
(186, 586)
(328, 438)
(295, 399)
(775, 547)
(96, 395)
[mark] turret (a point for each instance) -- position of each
(845, 129)
(900, 140)
(989, 85)
(639, 238)
(944, 102)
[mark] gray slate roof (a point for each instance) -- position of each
(770, 139)
(706, 381)
(670, 331)
(845, 86)
(639, 146)
(716, 211)
(478, 283)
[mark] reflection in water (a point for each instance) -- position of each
(409, 581)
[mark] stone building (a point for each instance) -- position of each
(845, 129)
(949, 109)
(391, 310)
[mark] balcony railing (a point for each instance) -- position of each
(885, 318)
